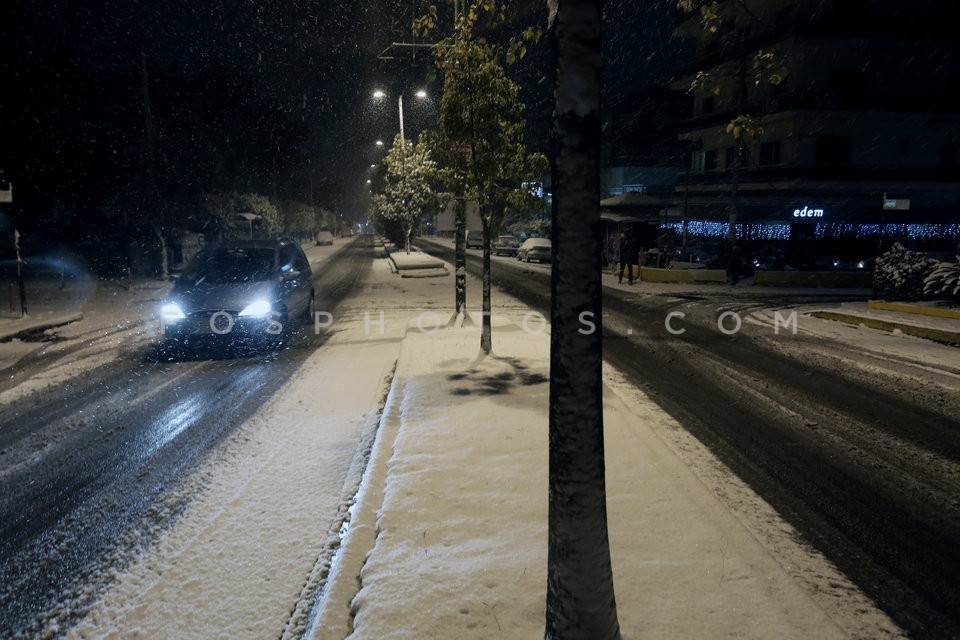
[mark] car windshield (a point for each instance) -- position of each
(224, 265)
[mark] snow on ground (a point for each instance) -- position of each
(237, 561)
(460, 545)
(262, 518)
(99, 319)
(453, 506)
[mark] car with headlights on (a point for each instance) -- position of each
(539, 249)
(245, 293)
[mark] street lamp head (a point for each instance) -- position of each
(379, 143)
(421, 94)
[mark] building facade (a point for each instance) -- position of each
(825, 125)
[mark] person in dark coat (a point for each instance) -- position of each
(628, 257)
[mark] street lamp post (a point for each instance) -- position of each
(380, 93)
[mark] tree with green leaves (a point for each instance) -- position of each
(261, 206)
(407, 193)
(729, 22)
(580, 595)
(299, 219)
(481, 127)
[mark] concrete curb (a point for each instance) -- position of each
(919, 309)
(937, 335)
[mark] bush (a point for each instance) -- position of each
(944, 280)
(900, 273)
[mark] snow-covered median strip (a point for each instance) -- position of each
(242, 554)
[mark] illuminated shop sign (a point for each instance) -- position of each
(808, 212)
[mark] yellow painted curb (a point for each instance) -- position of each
(903, 307)
(825, 279)
(688, 276)
(946, 337)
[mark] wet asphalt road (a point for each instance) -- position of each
(863, 468)
(109, 445)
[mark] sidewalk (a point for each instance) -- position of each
(448, 537)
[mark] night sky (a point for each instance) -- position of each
(244, 95)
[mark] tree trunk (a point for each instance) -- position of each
(580, 597)
(486, 330)
(460, 256)
(164, 253)
(738, 144)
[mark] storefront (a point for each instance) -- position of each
(809, 232)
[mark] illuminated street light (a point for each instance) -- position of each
(379, 143)
(380, 93)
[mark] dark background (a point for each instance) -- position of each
(243, 96)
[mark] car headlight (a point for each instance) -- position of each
(257, 308)
(171, 311)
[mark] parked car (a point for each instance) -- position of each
(239, 293)
(539, 249)
(324, 238)
(506, 246)
(474, 239)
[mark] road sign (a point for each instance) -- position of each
(899, 204)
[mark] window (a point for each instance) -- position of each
(710, 160)
(288, 257)
(708, 105)
(769, 153)
(730, 153)
(833, 150)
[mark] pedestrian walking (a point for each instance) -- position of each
(628, 257)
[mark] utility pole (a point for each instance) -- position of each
(154, 214)
(20, 284)
(460, 215)
(738, 141)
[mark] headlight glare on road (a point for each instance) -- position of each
(172, 311)
(257, 308)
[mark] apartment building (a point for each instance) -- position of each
(823, 123)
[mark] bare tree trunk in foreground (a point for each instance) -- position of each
(580, 596)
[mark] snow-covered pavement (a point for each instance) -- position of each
(447, 538)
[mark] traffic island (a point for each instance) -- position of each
(417, 264)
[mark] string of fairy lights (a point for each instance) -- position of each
(821, 230)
